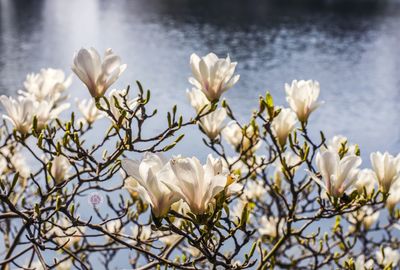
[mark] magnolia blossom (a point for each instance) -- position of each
(302, 97)
(389, 256)
(142, 233)
(394, 196)
(116, 100)
(60, 167)
(197, 185)
(270, 226)
(366, 178)
(197, 100)
(152, 173)
(337, 174)
(386, 167)
(47, 85)
(254, 190)
(361, 264)
(367, 216)
(19, 112)
(97, 75)
(67, 234)
(336, 144)
(241, 140)
(212, 123)
(212, 75)
(46, 111)
(17, 162)
(89, 111)
(283, 124)
(130, 184)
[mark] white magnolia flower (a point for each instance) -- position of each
(388, 257)
(152, 173)
(302, 97)
(18, 162)
(67, 234)
(130, 183)
(96, 74)
(337, 174)
(169, 238)
(89, 111)
(212, 75)
(116, 100)
(213, 123)
(366, 178)
(19, 112)
(142, 233)
(65, 265)
(60, 167)
(270, 226)
(234, 135)
(198, 100)
(361, 264)
(254, 190)
(283, 124)
(394, 196)
(48, 85)
(114, 227)
(367, 216)
(386, 167)
(336, 144)
(45, 111)
(197, 185)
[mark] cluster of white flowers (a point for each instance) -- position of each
(42, 97)
(163, 182)
(340, 173)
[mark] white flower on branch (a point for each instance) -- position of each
(366, 216)
(283, 124)
(141, 233)
(48, 85)
(336, 144)
(45, 111)
(60, 167)
(388, 256)
(254, 190)
(152, 173)
(394, 196)
(19, 112)
(243, 140)
(197, 185)
(67, 234)
(89, 111)
(270, 226)
(361, 264)
(337, 174)
(97, 75)
(198, 100)
(386, 167)
(213, 123)
(212, 75)
(366, 179)
(302, 97)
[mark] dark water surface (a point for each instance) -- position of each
(352, 48)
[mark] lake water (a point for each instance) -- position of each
(353, 49)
